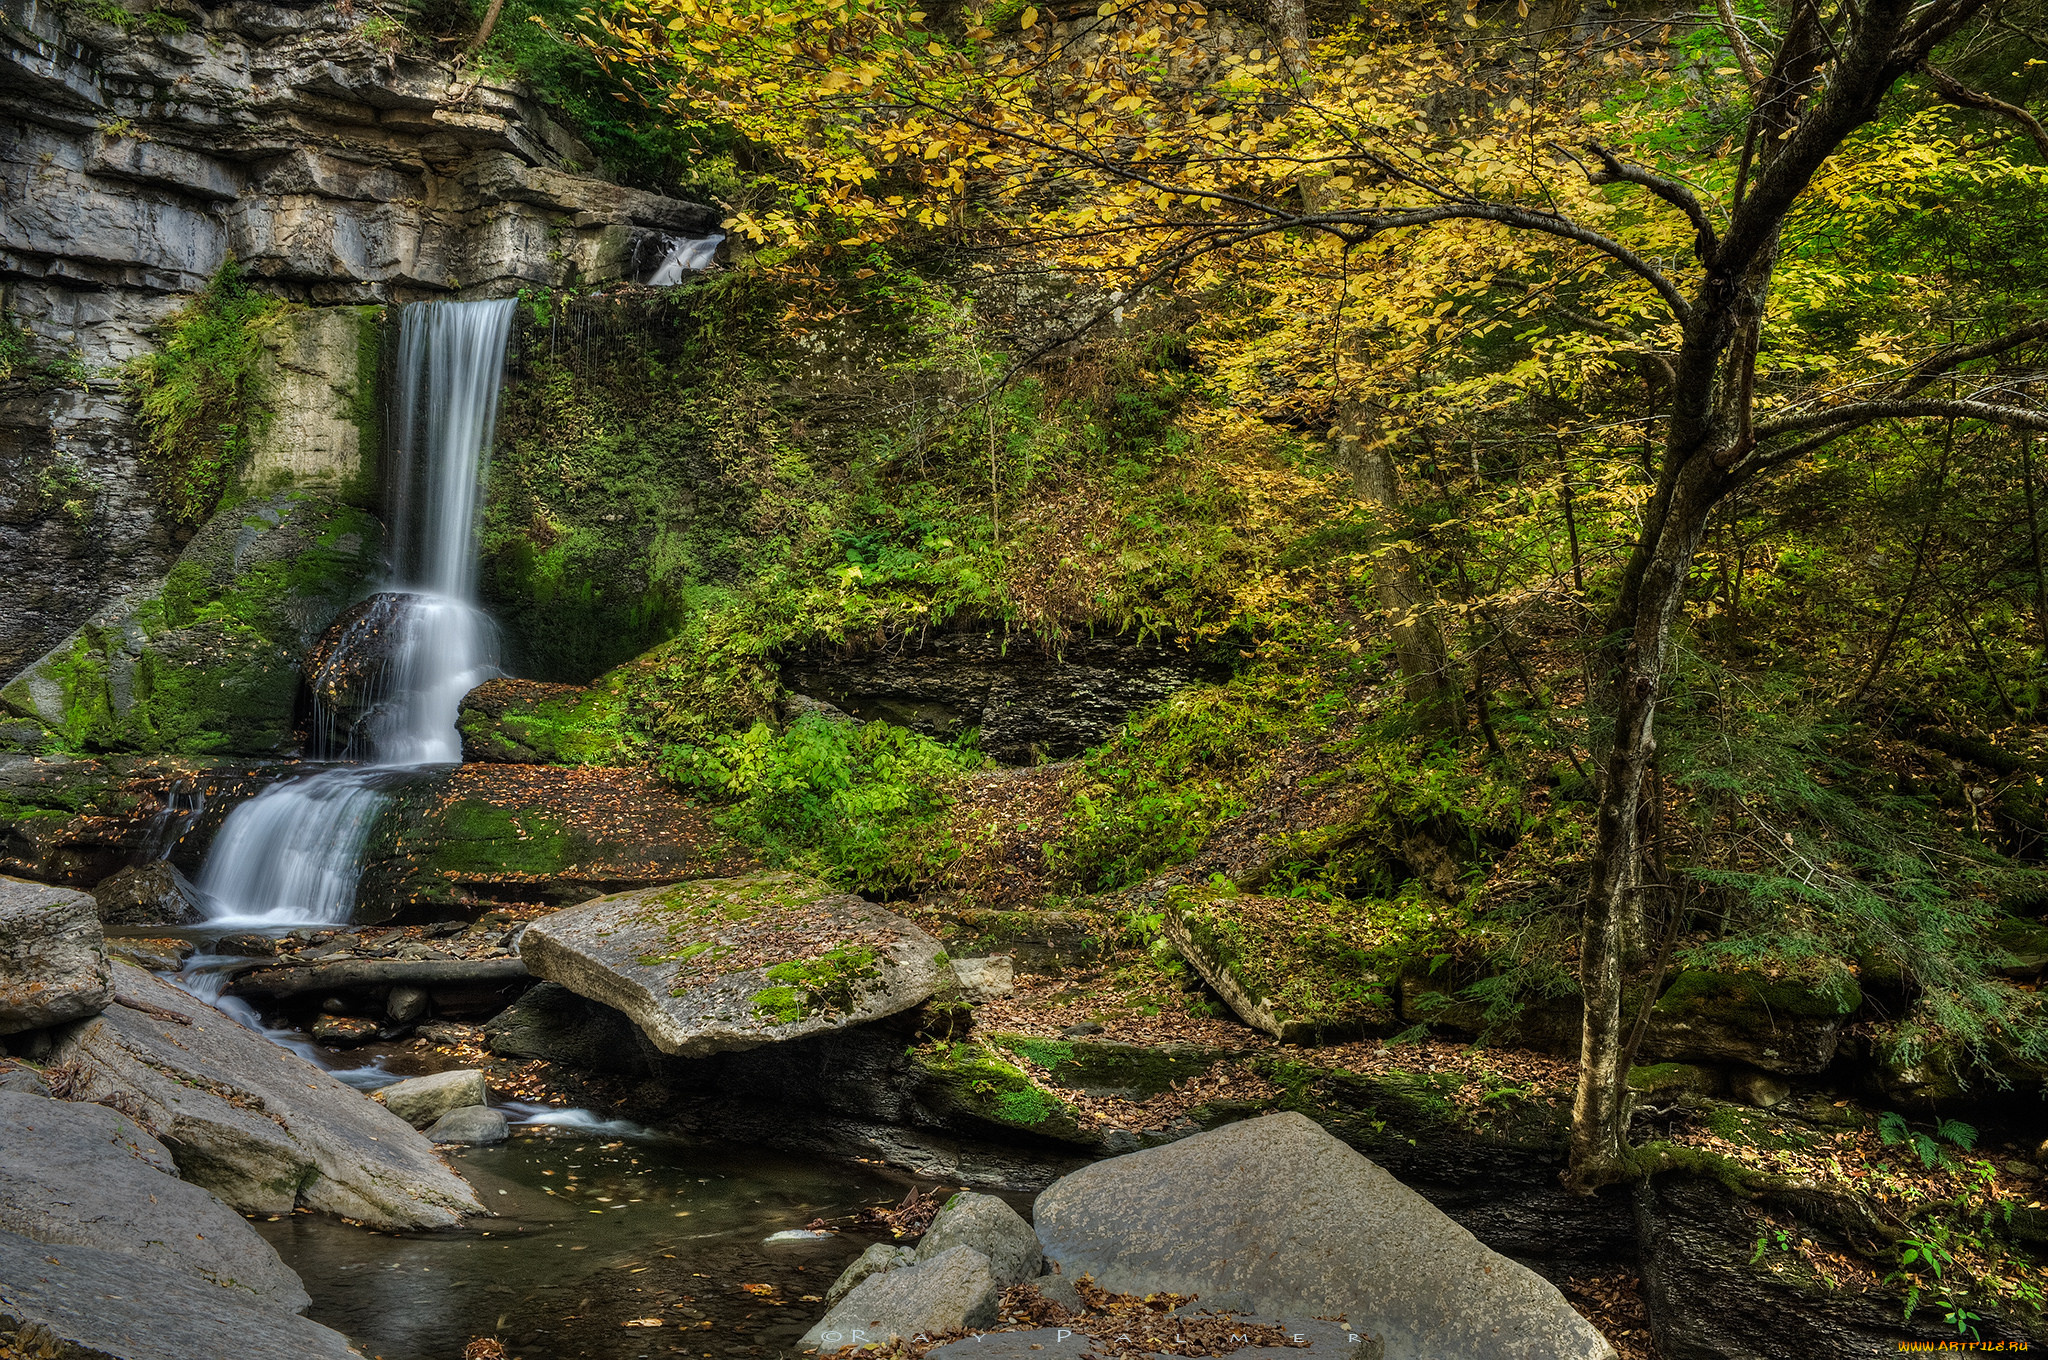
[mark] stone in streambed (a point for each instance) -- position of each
(85, 1175)
(157, 955)
(953, 1290)
(342, 1031)
(53, 957)
(419, 1101)
(1274, 1217)
(147, 895)
(553, 1023)
(992, 1228)
(469, 1124)
(722, 964)
(257, 1125)
(92, 1304)
(874, 1261)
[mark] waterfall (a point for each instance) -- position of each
(292, 854)
(687, 255)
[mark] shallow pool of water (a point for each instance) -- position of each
(594, 1233)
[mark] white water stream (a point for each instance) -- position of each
(688, 255)
(292, 855)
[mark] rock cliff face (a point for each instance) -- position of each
(139, 149)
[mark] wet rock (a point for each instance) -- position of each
(419, 1101)
(553, 1023)
(351, 667)
(157, 955)
(53, 958)
(470, 1124)
(93, 1304)
(247, 944)
(722, 964)
(1290, 968)
(1027, 703)
(952, 1290)
(260, 1127)
(992, 1228)
(876, 1259)
(147, 895)
(343, 1031)
(1274, 1217)
(85, 1175)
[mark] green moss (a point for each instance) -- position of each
(780, 1005)
(533, 724)
(975, 1079)
(832, 981)
(1322, 971)
(1129, 1071)
(1755, 1003)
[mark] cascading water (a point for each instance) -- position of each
(292, 855)
(687, 255)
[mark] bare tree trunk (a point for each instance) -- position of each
(1419, 649)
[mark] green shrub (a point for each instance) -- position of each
(862, 806)
(199, 396)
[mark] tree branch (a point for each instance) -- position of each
(1743, 56)
(1865, 412)
(1957, 93)
(1617, 171)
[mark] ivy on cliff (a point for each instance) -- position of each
(199, 394)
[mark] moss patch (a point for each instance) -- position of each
(530, 722)
(975, 1079)
(830, 982)
(1301, 970)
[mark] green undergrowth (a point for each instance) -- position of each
(862, 806)
(199, 392)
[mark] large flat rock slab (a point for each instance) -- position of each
(53, 956)
(84, 1175)
(107, 1305)
(1301, 971)
(258, 1126)
(1274, 1217)
(722, 964)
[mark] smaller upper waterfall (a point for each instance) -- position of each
(294, 852)
(686, 256)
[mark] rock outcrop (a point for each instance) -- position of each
(258, 1126)
(135, 158)
(734, 963)
(1301, 972)
(419, 1101)
(1276, 1218)
(1027, 704)
(553, 1023)
(85, 1302)
(84, 1175)
(992, 1228)
(53, 957)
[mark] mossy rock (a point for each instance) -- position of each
(1301, 971)
(530, 722)
(733, 963)
(977, 1082)
(1038, 941)
(207, 661)
(1786, 1026)
(1677, 1079)
(456, 841)
(1100, 1068)
(2026, 941)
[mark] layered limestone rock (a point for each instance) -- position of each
(136, 158)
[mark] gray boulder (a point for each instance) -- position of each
(419, 1101)
(469, 1124)
(952, 1290)
(992, 1228)
(259, 1126)
(986, 979)
(1276, 1218)
(732, 963)
(53, 956)
(147, 895)
(84, 1302)
(876, 1259)
(85, 1175)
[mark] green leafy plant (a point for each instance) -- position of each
(1894, 1131)
(200, 393)
(1927, 1266)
